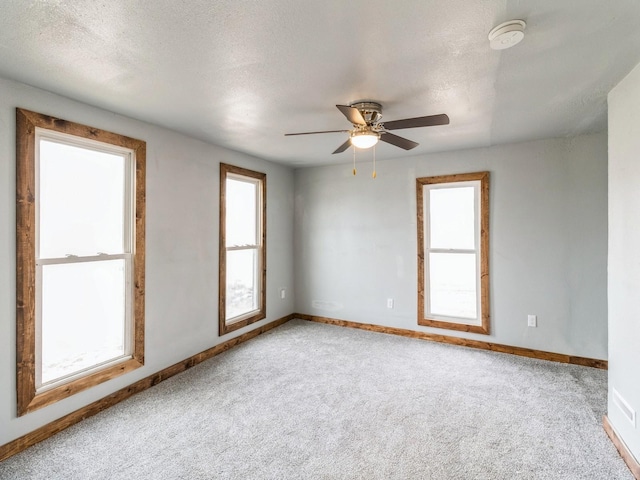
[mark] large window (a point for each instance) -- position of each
(80, 257)
(453, 252)
(243, 267)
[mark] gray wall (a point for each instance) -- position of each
(624, 255)
(355, 241)
(182, 246)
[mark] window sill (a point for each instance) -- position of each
(236, 325)
(30, 401)
(460, 327)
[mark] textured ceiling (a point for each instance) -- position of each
(242, 73)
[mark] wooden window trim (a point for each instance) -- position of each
(483, 177)
(223, 327)
(26, 123)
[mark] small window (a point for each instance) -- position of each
(80, 257)
(453, 252)
(243, 270)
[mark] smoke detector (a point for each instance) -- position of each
(507, 34)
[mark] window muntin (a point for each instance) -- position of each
(242, 247)
(453, 252)
(80, 257)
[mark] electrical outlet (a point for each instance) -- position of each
(532, 320)
(389, 302)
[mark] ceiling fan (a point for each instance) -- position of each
(368, 129)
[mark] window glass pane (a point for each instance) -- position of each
(81, 200)
(83, 305)
(451, 214)
(241, 212)
(452, 284)
(242, 282)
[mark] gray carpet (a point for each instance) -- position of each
(315, 401)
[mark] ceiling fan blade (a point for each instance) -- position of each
(352, 114)
(398, 141)
(343, 147)
(428, 121)
(313, 133)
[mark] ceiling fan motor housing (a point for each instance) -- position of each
(371, 111)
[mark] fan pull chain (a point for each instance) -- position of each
(374, 162)
(354, 159)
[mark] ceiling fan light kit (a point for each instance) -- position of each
(507, 34)
(364, 138)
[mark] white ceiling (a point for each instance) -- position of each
(241, 73)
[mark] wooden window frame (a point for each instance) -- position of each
(28, 399)
(484, 325)
(225, 327)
